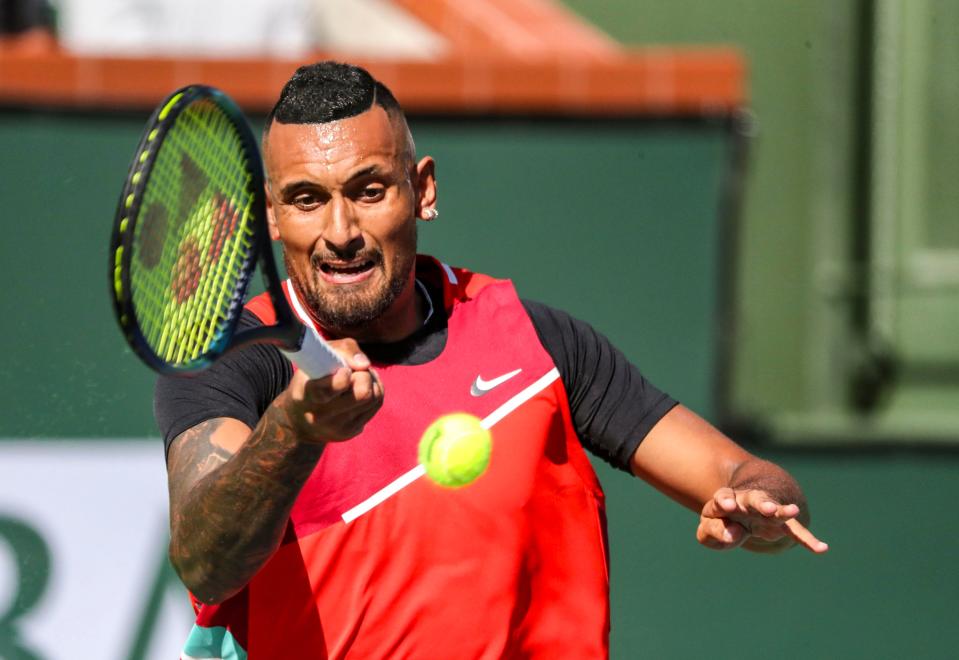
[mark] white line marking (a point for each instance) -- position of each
(384, 493)
(521, 398)
(406, 479)
(450, 275)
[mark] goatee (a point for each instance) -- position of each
(347, 309)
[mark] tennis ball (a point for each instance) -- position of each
(455, 450)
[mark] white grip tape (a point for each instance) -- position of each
(316, 358)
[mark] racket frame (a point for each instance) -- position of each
(287, 332)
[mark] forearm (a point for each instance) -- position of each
(227, 524)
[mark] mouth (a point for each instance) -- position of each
(346, 272)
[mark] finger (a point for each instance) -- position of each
(361, 397)
(358, 361)
(318, 391)
(720, 533)
(351, 353)
(363, 385)
(327, 391)
(804, 537)
(341, 380)
(722, 504)
(787, 511)
(761, 502)
(758, 501)
(769, 529)
(367, 386)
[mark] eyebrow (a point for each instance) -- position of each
(293, 186)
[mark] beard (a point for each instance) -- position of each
(346, 308)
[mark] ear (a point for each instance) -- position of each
(271, 215)
(425, 185)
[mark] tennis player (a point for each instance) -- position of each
(295, 522)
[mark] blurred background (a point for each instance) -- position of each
(754, 199)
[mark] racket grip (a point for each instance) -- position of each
(315, 357)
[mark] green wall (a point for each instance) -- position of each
(615, 222)
(886, 589)
(66, 371)
(794, 52)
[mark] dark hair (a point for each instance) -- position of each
(329, 91)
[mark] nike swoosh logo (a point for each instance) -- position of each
(481, 387)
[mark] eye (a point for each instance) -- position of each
(306, 201)
(372, 193)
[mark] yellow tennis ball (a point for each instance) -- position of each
(455, 450)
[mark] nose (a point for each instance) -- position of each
(342, 232)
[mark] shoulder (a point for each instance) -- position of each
(558, 330)
(612, 404)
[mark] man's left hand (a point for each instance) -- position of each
(755, 520)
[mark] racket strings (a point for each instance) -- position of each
(198, 324)
(201, 187)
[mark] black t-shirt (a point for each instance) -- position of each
(613, 407)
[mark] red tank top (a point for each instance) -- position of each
(379, 562)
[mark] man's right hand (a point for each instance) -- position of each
(335, 407)
(221, 466)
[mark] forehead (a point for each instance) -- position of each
(296, 149)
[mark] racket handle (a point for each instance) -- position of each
(315, 357)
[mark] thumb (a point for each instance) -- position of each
(722, 504)
(358, 361)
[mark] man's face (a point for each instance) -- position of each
(344, 197)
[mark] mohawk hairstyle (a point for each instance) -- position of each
(329, 91)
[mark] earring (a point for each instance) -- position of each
(430, 214)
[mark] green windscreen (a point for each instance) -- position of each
(614, 222)
(193, 233)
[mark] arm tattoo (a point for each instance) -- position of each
(215, 550)
(195, 457)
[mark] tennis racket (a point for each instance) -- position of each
(189, 229)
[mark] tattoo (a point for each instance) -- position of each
(215, 551)
(195, 456)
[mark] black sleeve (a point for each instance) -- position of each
(241, 385)
(612, 405)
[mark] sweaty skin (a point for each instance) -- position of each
(344, 198)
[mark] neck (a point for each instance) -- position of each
(404, 317)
